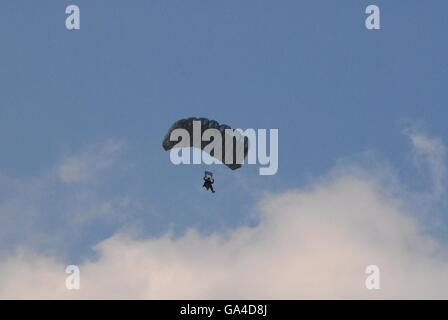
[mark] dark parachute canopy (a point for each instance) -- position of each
(242, 143)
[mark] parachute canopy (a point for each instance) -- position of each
(240, 144)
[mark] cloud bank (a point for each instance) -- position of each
(56, 209)
(313, 244)
(309, 243)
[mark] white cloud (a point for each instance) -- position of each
(54, 209)
(313, 244)
(310, 243)
(431, 152)
(85, 166)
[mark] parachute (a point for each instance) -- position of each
(238, 143)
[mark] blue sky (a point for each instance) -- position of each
(109, 92)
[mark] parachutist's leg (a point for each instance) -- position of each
(211, 187)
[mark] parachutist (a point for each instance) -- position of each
(208, 184)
